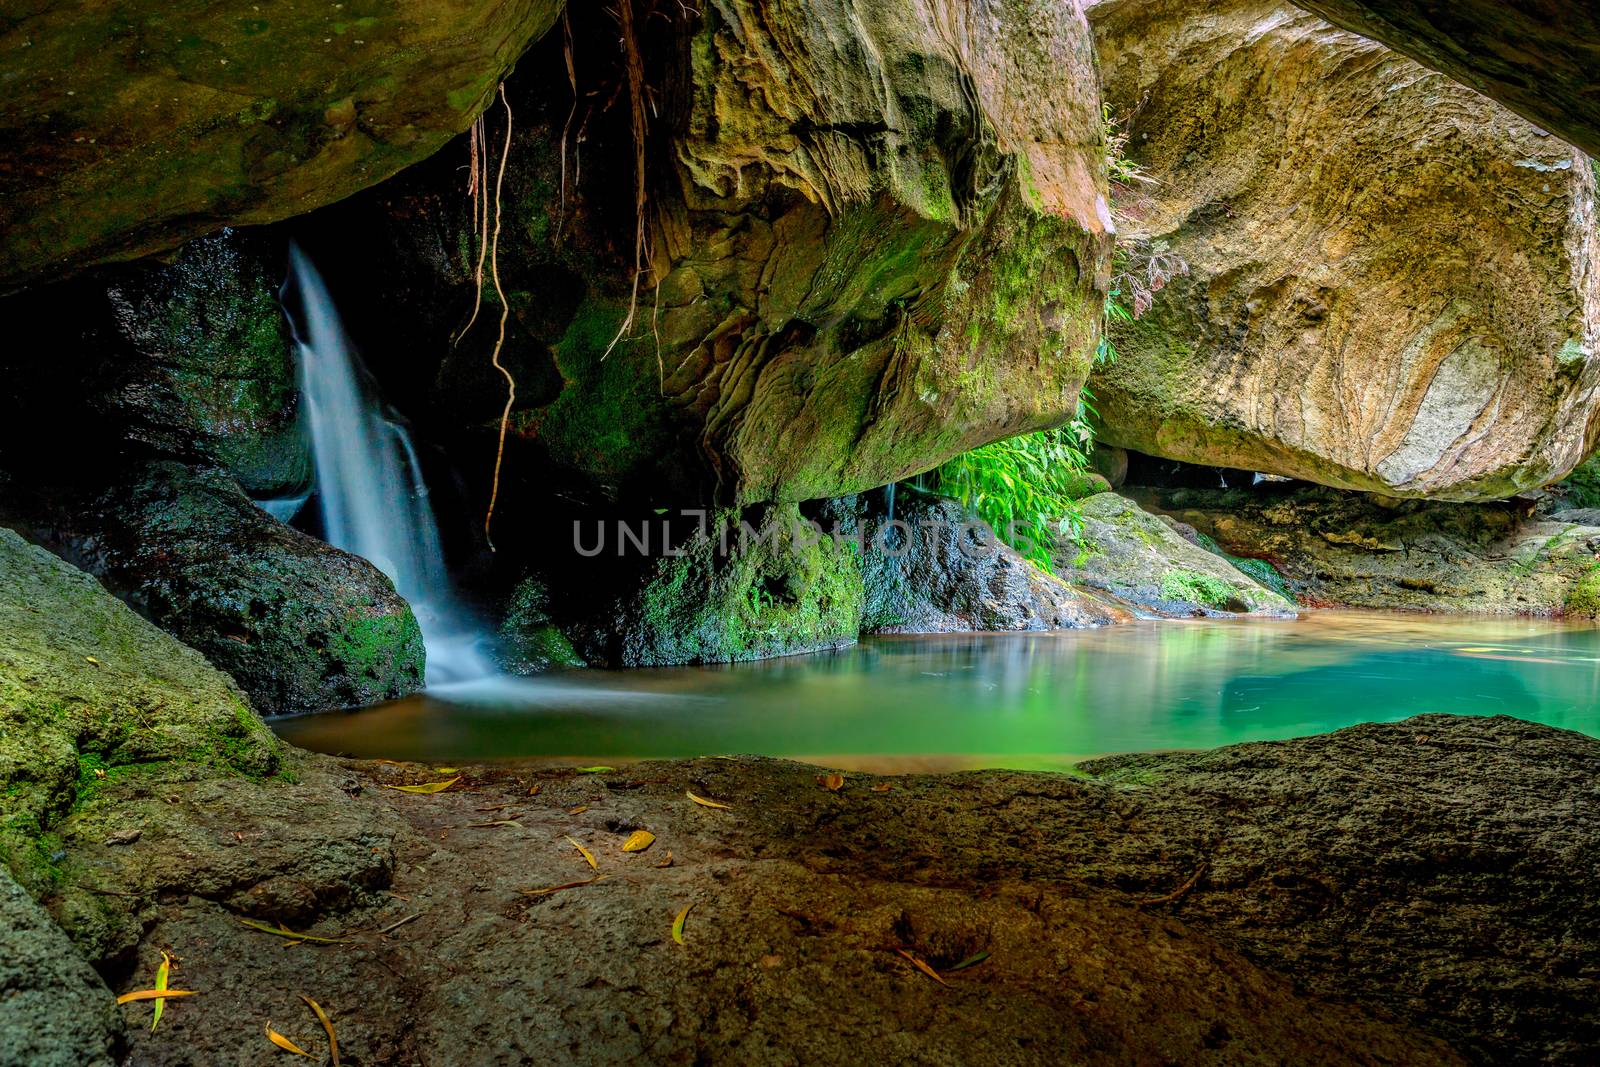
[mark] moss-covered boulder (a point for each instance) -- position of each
(55, 1011)
(299, 624)
(211, 374)
(131, 127)
(1539, 60)
(530, 639)
(1147, 561)
(89, 690)
(765, 582)
(1390, 278)
(935, 567)
(874, 237)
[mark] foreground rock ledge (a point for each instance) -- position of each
(1420, 892)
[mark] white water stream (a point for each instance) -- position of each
(369, 484)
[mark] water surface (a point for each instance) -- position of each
(1033, 701)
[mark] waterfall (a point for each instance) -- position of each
(369, 484)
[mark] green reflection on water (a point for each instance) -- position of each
(1035, 701)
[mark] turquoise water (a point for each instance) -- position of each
(1033, 701)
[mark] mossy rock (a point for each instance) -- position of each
(1584, 600)
(90, 689)
(530, 641)
(1143, 560)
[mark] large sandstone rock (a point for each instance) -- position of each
(1540, 58)
(133, 126)
(1393, 281)
(880, 233)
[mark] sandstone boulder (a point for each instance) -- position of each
(1538, 59)
(1392, 280)
(879, 238)
(131, 127)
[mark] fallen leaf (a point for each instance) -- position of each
(327, 1024)
(677, 924)
(704, 803)
(446, 770)
(922, 965)
(638, 841)
(579, 810)
(283, 931)
(666, 862)
(547, 890)
(285, 1044)
(594, 770)
(92, 660)
(533, 790)
(155, 994)
(426, 787)
(163, 972)
(971, 961)
(585, 853)
(832, 782)
(882, 787)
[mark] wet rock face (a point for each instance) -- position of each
(1353, 550)
(133, 127)
(299, 624)
(211, 374)
(879, 237)
(55, 1011)
(1393, 281)
(936, 568)
(1162, 567)
(1538, 59)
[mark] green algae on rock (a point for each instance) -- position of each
(1144, 560)
(140, 125)
(88, 686)
(299, 624)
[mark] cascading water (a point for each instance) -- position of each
(369, 484)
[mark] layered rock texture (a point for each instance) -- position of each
(874, 237)
(1352, 550)
(1392, 280)
(132, 127)
(1537, 57)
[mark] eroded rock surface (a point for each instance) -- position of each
(1146, 561)
(879, 233)
(1392, 280)
(1540, 60)
(1353, 550)
(133, 127)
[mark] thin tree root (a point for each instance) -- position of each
(500, 338)
(1168, 898)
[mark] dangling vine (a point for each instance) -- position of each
(639, 122)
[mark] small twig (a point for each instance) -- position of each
(397, 925)
(1178, 892)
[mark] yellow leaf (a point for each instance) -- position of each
(92, 660)
(922, 965)
(283, 931)
(882, 787)
(285, 1044)
(155, 994)
(426, 787)
(445, 770)
(677, 924)
(585, 853)
(638, 841)
(704, 803)
(579, 810)
(833, 781)
(327, 1024)
(594, 770)
(533, 790)
(163, 972)
(666, 862)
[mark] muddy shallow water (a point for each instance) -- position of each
(1024, 701)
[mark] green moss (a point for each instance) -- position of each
(1582, 487)
(1192, 587)
(366, 646)
(1583, 601)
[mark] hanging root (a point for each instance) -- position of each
(636, 102)
(566, 129)
(505, 312)
(478, 190)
